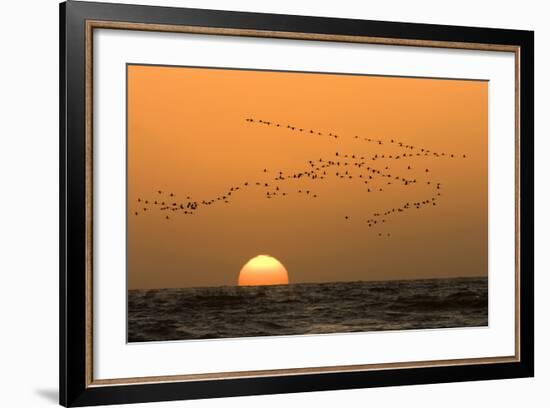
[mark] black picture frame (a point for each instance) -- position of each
(75, 388)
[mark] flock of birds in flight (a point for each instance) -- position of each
(362, 168)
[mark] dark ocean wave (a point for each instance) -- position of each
(309, 308)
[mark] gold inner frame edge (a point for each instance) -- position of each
(98, 24)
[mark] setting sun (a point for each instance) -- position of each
(263, 270)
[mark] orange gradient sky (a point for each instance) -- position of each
(188, 135)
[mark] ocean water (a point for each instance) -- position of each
(308, 308)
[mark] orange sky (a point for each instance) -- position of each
(188, 135)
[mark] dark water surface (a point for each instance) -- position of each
(308, 308)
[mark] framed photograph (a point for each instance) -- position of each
(256, 203)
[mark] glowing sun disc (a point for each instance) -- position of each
(263, 270)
